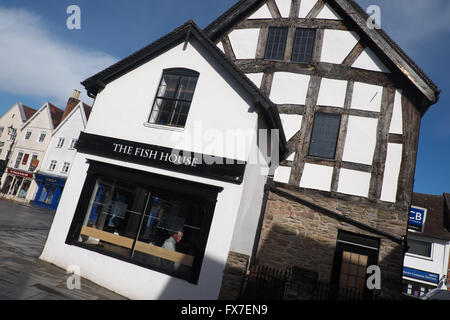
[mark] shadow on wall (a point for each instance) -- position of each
(310, 247)
(207, 288)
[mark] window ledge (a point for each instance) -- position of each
(412, 255)
(160, 126)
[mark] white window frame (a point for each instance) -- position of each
(66, 167)
(25, 136)
(45, 136)
(72, 144)
(61, 142)
(52, 166)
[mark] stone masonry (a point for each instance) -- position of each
(293, 234)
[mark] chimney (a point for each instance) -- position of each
(71, 103)
(76, 94)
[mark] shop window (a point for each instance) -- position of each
(25, 159)
(18, 160)
(276, 43)
(60, 143)
(33, 163)
(174, 97)
(303, 45)
(420, 248)
(163, 229)
(52, 165)
(324, 135)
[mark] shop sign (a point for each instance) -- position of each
(224, 169)
(20, 173)
(417, 217)
(420, 275)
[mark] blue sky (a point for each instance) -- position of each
(41, 60)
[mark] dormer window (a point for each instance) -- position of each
(174, 97)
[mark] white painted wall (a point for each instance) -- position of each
(218, 117)
(244, 42)
(367, 97)
(316, 177)
(328, 13)
(12, 117)
(438, 263)
(369, 61)
(69, 129)
(305, 7)
(391, 172)
(261, 13)
(289, 88)
(354, 182)
(361, 140)
(291, 124)
(337, 44)
(284, 6)
(332, 93)
(282, 174)
(256, 78)
(397, 117)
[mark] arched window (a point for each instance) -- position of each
(174, 97)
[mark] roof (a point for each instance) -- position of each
(71, 104)
(263, 105)
(28, 112)
(437, 214)
(349, 10)
(87, 110)
(56, 114)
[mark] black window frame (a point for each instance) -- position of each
(336, 138)
(206, 194)
(296, 46)
(180, 72)
(270, 41)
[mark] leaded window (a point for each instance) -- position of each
(303, 45)
(324, 135)
(174, 97)
(276, 43)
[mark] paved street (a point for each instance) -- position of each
(23, 232)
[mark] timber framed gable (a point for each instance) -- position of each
(359, 74)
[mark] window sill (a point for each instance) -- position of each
(412, 255)
(164, 127)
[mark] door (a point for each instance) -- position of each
(354, 254)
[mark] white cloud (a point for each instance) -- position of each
(33, 62)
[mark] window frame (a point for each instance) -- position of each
(60, 143)
(52, 162)
(40, 135)
(416, 255)
(180, 72)
(96, 169)
(337, 136)
(28, 135)
(286, 30)
(66, 164)
(312, 49)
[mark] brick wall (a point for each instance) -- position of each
(233, 276)
(296, 235)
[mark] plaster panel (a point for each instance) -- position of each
(332, 93)
(361, 140)
(316, 177)
(354, 182)
(244, 43)
(367, 97)
(289, 88)
(337, 44)
(391, 172)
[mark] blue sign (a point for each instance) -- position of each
(416, 218)
(421, 275)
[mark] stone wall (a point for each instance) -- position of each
(233, 276)
(293, 234)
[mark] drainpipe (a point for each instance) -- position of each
(267, 188)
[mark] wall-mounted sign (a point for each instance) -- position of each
(229, 170)
(421, 275)
(20, 173)
(417, 217)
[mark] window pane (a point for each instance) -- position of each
(158, 229)
(324, 135)
(173, 100)
(276, 43)
(420, 248)
(303, 45)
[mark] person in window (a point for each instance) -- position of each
(171, 244)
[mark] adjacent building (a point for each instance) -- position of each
(426, 262)
(351, 103)
(58, 159)
(32, 140)
(170, 165)
(10, 123)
